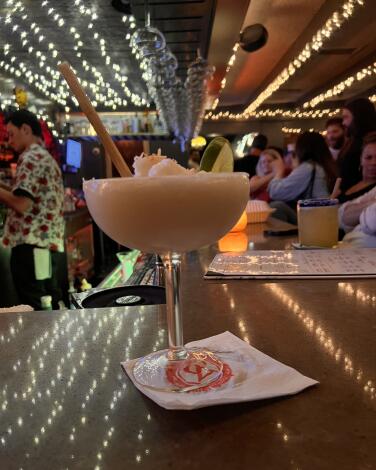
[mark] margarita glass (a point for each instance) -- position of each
(170, 215)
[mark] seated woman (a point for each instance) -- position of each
(368, 167)
(313, 176)
(358, 218)
(359, 119)
(264, 174)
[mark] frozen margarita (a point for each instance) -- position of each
(165, 207)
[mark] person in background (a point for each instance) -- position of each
(368, 170)
(358, 219)
(288, 157)
(313, 176)
(194, 159)
(277, 149)
(359, 118)
(248, 163)
(335, 136)
(34, 227)
(264, 174)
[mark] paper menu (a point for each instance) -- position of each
(308, 264)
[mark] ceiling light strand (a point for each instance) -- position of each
(278, 113)
(340, 87)
(333, 23)
(230, 64)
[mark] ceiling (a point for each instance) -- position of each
(185, 24)
(285, 21)
(291, 24)
(211, 26)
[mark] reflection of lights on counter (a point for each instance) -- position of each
(67, 334)
(283, 431)
(235, 242)
(241, 224)
(324, 339)
(241, 325)
(359, 294)
(14, 330)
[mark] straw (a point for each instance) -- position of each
(88, 109)
(336, 188)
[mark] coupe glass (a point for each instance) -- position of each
(171, 215)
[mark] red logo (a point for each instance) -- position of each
(196, 370)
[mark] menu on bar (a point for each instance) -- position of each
(301, 264)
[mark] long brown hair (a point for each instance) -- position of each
(364, 117)
(311, 147)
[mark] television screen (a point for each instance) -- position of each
(73, 153)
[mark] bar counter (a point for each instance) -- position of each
(66, 404)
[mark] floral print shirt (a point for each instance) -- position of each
(38, 176)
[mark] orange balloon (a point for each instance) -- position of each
(233, 241)
(240, 224)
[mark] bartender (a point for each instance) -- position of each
(34, 228)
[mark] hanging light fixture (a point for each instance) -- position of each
(253, 37)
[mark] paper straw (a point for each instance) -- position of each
(88, 109)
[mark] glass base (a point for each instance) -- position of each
(198, 370)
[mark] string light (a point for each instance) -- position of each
(340, 87)
(273, 113)
(49, 83)
(291, 130)
(298, 130)
(39, 81)
(280, 113)
(334, 22)
(101, 90)
(230, 64)
(40, 113)
(121, 79)
(46, 86)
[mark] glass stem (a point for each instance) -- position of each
(171, 262)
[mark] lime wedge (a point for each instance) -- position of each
(218, 157)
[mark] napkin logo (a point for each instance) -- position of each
(196, 371)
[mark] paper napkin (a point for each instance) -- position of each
(258, 378)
